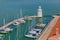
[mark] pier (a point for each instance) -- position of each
(45, 33)
(8, 24)
(55, 34)
(48, 30)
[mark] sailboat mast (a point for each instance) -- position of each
(4, 21)
(17, 28)
(18, 25)
(9, 37)
(20, 13)
(17, 32)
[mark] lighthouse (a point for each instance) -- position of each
(39, 12)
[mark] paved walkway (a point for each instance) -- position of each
(55, 34)
(48, 30)
(6, 25)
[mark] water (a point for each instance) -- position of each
(10, 8)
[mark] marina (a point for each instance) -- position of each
(28, 28)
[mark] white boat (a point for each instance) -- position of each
(32, 34)
(8, 29)
(41, 25)
(18, 22)
(3, 31)
(37, 30)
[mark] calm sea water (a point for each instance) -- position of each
(9, 9)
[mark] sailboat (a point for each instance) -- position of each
(3, 31)
(6, 30)
(21, 21)
(33, 32)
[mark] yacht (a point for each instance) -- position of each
(3, 31)
(34, 33)
(6, 30)
(37, 30)
(18, 22)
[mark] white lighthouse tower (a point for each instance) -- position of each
(39, 12)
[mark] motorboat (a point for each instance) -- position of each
(41, 25)
(18, 22)
(32, 34)
(37, 30)
(3, 31)
(6, 30)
